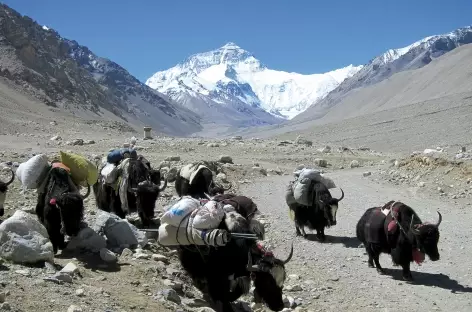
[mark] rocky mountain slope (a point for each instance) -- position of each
(382, 67)
(232, 77)
(63, 74)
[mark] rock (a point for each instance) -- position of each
(213, 145)
(226, 159)
(173, 285)
(55, 138)
(87, 239)
(141, 255)
(170, 295)
(107, 256)
(421, 184)
(70, 269)
(80, 292)
(367, 173)
(325, 149)
(222, 177)
(158, 257)
(126, 253)
(172, 158)
(5, 306)
(89, 142)
(119, 232)
(300, 140)
(23, 239)
(133, 140)
(237, 138)
(74, 308)
(355, 164)
(321, 162)
(77, 142)
(205, 309)
(3, 296)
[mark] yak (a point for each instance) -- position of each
(4, 190)
(141, 195)
(320, 214)
(223, 274)
(196, 180)
(60, 206)
(397, 230)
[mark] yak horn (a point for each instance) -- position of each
(12, 177)
(250, 267)
(342, 195)
(164, 186)
(439, 220)
(88, 192)
(289, 256)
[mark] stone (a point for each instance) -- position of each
(172, 158)
(5, 306)
(325, 149)
(170, 295)
(80, 292)
(355, 164)
(172, 174)
(421, 184)
(55, 138)
(23, 239)
(172, 284)
(222, 177)
(158, 257)
(213, 145)
(226, 159)
(119, 232)
(107, 256)
(301, 141)
(367, 173)
(87, 239)
(70, 268)
(321, 162)
(74, 308)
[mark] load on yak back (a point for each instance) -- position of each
(218, 241)
(127, 184)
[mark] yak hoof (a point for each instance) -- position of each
(370, 264)
(381, 271)
(408, 277)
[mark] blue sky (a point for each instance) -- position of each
(305, 36)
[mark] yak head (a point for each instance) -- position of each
(328, 203)
(3, 191)
(146, 195)
(269, 275)
(155, 177)
(427, 237)
(71, 208)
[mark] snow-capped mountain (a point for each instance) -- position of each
(230, 75)
(411, 57)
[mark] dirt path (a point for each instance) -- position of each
(334, 275)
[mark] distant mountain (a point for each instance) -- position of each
(414, 56)
(64, 74)
(232, 86)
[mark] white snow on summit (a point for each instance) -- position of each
(232, 73)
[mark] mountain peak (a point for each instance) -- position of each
(230, 45)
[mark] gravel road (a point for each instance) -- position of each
(334, 276)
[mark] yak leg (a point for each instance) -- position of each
(218, 290)
(375, 254)
(370, 261)
(406, 272)
(320, 234)
(400, 255)
(300, 230)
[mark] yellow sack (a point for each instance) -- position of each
(81, 169)
(291, 214)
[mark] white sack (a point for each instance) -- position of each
(176, 213)
(209, 216)
(301, 186)
(109, 173)
(30, 172)
(173, 236)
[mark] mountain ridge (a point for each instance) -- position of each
(279, 93)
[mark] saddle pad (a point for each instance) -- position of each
(374, 228)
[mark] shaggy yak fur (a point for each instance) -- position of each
(402, 235)
(60, 207)
(223, 274)
(320, 215)
(143, 191)
(202, 184)
(3, 192)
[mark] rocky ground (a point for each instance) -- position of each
(323, 277)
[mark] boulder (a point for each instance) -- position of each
(23, 239)
(87, 239)
(226, 159)
(119, 232)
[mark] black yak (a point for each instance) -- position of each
(141, 194)
(196, 180)
(400, 233)
(3, 192)
(320, 214)
(60, 206)
(223, 274)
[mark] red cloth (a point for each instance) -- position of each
(418, 256)
(392, 226)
